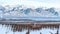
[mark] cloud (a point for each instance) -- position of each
(39, 4)
(9, 2)
(35, 3)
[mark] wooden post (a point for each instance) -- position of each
(57, 30)
(40, 33)
(27, 32)
(51, 32)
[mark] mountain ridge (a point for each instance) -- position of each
(23, 11)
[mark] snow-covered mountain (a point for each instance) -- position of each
(24, 11)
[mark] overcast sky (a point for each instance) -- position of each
(36, 3)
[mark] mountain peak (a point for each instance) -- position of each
(24, 11)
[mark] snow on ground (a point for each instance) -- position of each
(7, 30)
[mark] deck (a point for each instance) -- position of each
(31, 25)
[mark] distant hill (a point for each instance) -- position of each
(24, 11)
